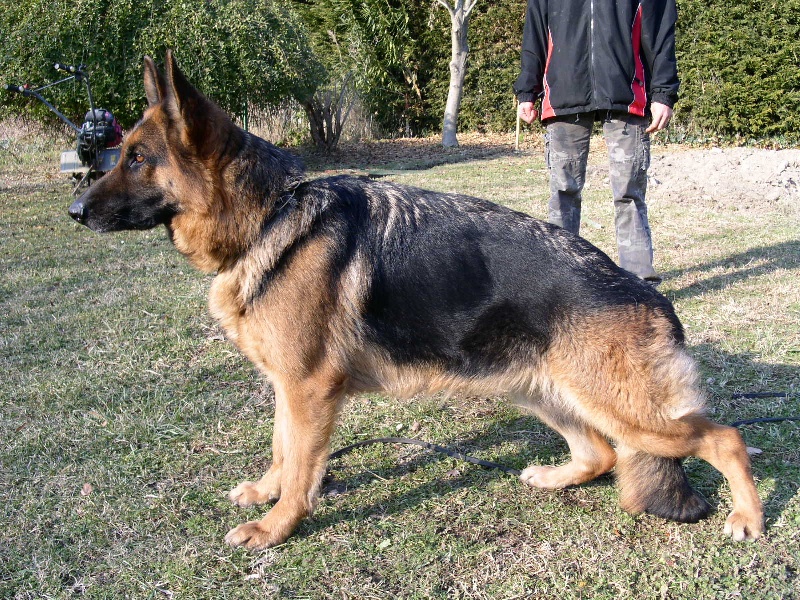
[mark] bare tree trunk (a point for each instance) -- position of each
(459, 19)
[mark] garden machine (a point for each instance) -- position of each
(98, 138)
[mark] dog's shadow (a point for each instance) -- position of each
(354, 475)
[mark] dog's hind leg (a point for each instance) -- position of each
(311, 407)
(591, 454)
(725, 450)
(268, 488)
(627, 375)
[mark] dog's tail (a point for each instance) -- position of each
(658, 486)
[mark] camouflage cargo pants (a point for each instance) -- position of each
(566, 152)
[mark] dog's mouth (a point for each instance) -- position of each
(119, 220)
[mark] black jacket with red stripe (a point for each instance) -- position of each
(587, 55)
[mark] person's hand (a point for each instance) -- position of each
(527, 112)
(661, 116)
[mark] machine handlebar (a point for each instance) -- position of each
(68, 68)
(10, 87)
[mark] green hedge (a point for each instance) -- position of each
(234, 50)
(739, 63)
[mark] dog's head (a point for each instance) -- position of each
(186, 165)
(165, 160)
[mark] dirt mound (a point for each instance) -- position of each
(751, 176)
(748, 175)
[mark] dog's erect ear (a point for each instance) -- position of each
(201, 123)
(153, 82)
(180, 93)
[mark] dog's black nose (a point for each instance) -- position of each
(78, 211)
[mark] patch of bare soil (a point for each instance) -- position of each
(750, 176)
(409, 153)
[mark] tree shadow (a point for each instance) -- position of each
(750, 263)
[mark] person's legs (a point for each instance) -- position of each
(566, 152)
(629, 157)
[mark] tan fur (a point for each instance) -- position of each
(613, 374)
(661, 411)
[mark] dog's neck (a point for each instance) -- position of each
(257, 182)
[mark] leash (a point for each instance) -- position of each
(516, 472)
(752, 395)
(764, 420)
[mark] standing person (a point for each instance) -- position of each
(607, 60)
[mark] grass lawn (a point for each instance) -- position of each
(126, 418)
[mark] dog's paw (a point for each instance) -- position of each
(257, 535)
(249, 493)
(545, 477)
(742, 526)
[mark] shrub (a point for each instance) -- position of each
(739, 67)
(237, 51)
(738, 61)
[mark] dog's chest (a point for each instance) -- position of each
(241, 326)
(283, 331)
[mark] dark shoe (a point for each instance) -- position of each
(654, 280)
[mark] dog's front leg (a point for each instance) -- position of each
(304, 422)
(268, 488)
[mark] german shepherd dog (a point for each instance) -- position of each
(343, 285)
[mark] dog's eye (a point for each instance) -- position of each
(137, 159)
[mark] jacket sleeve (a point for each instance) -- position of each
(658, 47)
(529, 84)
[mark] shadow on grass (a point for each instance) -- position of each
(473, 443)
(350, 478)
(780, 385)
(751, 263)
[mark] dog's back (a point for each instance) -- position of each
(461, 283)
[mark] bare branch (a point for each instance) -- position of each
(470, 5)
(449, 8)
